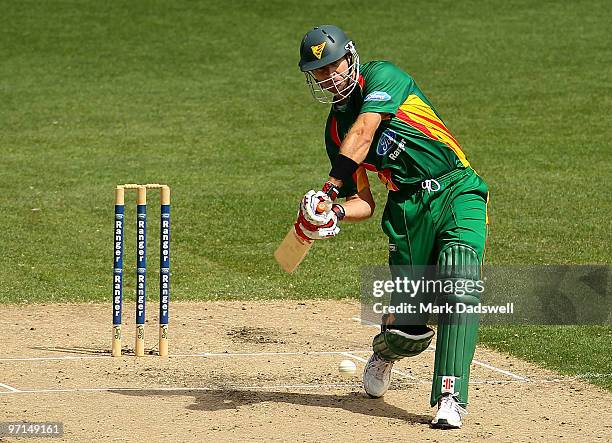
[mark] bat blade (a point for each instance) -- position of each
(292, 251)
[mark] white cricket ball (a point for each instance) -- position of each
(347, 368)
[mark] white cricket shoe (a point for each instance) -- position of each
(449, 413)
(377, 376)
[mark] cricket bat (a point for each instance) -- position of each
(294, 248)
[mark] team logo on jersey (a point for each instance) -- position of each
(385, 142)
(377, 96)
(318, 50)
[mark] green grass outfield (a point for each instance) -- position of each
(206, 96)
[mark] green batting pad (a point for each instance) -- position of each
(393, 344)
(457, 332)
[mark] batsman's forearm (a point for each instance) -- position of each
(352, 153)
(357, 142)
(355, 147)
(359, 206)
(354, 150)
(357, 210)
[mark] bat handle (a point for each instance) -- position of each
(323, 207)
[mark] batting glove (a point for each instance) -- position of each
(310, 231)
(315, 208)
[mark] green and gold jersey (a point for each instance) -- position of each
(412, 143)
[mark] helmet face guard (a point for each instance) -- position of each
(327, 90)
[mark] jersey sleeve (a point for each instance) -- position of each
(386, 88)
(332, 144)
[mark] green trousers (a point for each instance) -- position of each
(422, 223)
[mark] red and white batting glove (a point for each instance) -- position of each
(311, 232)
(315, 208)
(318, 217)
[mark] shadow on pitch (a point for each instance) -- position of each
(227, 399)
(90, 351)
(72, 350)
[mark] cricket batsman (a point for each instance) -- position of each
(435, 214)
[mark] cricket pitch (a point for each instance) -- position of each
(264, 371)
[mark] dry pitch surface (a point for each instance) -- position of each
(264, 371)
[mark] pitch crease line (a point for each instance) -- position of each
(263, 354)
(10, 388)
(503, 371)
(204, 354)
